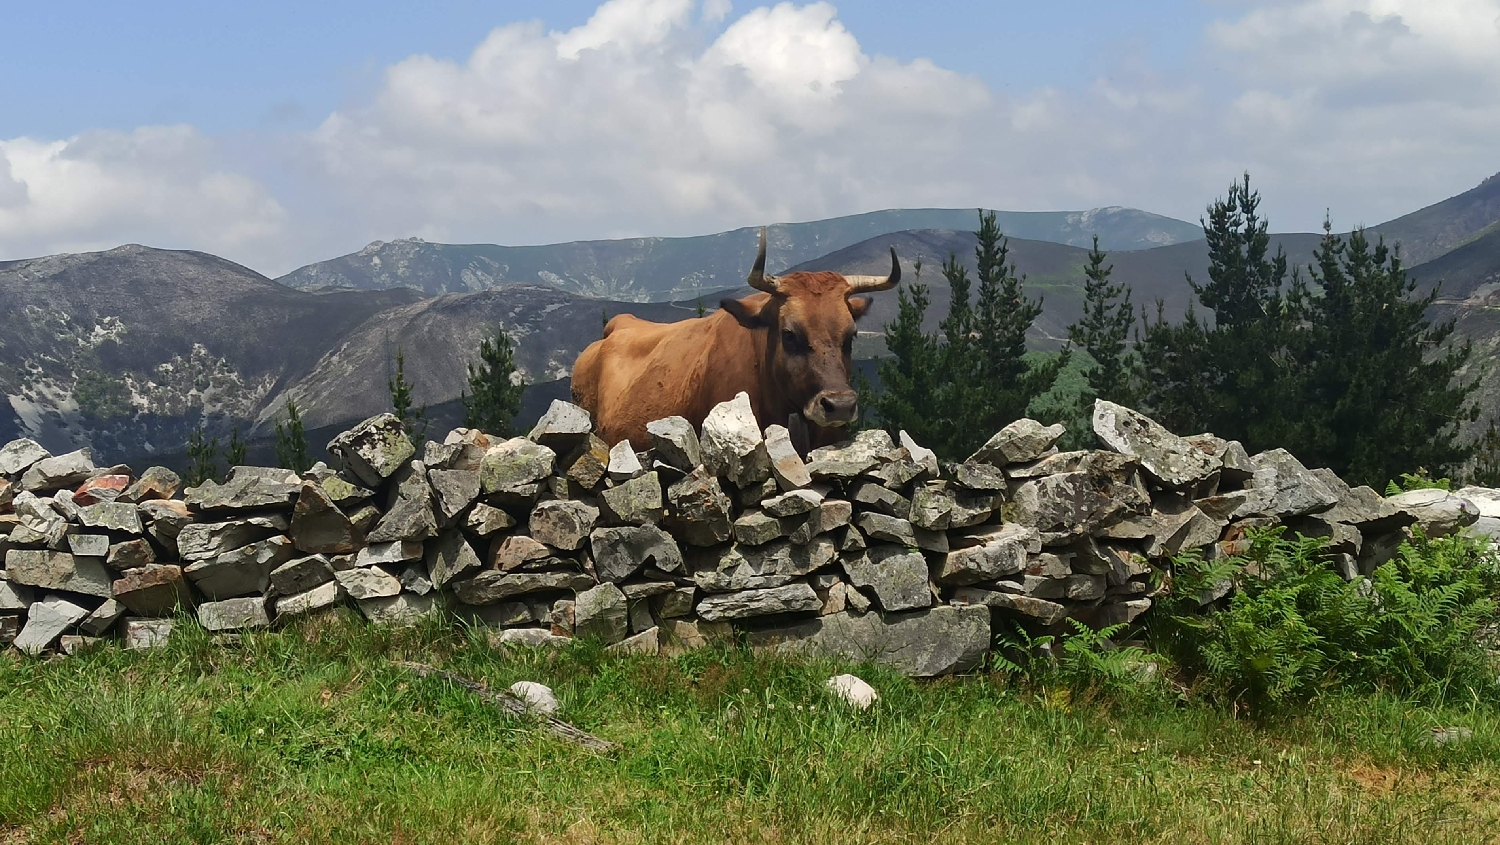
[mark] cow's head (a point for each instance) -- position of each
(809, 318)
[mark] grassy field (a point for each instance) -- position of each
(311, 735)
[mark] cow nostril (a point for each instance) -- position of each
(828, 404)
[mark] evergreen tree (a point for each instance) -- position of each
(413, 419)
(954, 389)
(203, 458)
(238, 448)
(1384, 392)
(1006, 381)
(493, 397)
(908, 377)
(291, 441)
(1239, 376)
(1106, 323)
(701, 310)
(1354, 378)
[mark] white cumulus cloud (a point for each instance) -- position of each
(158, 185)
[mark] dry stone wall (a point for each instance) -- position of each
(869, 549)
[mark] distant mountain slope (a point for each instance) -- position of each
(1432, 231)
(439, 335)
(1052, 271)
(122, 349)
(1466, 269)
(667, 269)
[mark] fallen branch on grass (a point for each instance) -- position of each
(514, 706)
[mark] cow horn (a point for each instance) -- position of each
(758, 278)
(870, 284)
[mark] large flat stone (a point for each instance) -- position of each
(49, 570)
(621, 552)
(59, 471)
(1001, 553)
(451, 557)
(234, 614)
(1021, 441)
(492, 585)
(922, 644)
(515, 463)
(319, 527)
(203, 540)
(245, 489)
(791, 598)
(1170, 459)
(155, 590)
(241, 571)
(563, 524)
(17, 456)
(897, 577)
(45, 622)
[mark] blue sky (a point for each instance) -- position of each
(226, 67)
(280, 133)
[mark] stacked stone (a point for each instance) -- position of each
(867, 549)
(69, 530)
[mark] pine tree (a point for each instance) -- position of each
(908, 378)
(954, 389)
(238, 448)
(1106, 323)
(291, 441)
(1384, 391)
(413, 419)
(1007, 382)
(1238, 377)
(493, 397)
(203, 458)
(1354, 378)
(701, 310)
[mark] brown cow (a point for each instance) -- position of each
(789, 348)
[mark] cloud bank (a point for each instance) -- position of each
(675, 117)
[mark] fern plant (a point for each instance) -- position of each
(1293, 627)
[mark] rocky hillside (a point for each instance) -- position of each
(667, 269)
(438, 335)
(125, 349)
(1437, 229)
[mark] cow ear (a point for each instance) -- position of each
(858, 306)
(749, 311)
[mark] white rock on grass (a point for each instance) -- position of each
(852, 691)
(539, 698)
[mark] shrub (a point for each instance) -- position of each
(1293, 627)
(1082, 659)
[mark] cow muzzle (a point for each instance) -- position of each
(832, 408)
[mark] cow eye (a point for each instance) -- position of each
(789, 339)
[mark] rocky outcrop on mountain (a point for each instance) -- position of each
(867, 549)
(126, 351)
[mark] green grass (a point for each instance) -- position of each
(310, 735)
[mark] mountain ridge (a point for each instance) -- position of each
(654, 269)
